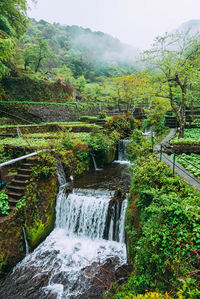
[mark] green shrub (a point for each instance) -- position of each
(4, 206)
(120, 123)
(163, 230)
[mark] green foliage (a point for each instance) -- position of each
(46, 166)
(21, 203)
(138, 146)
(191, 136)
(155, 115)
(29, 89)
(175, 60)
(130, 89)
(101, 115)
(120, 123)
(98, 141)
(80, 83)
(6, 46)
(5, 26)
(92, 92)
(4, 206)
(194, 159)
(67, 141)
(15, 14)
(13, 21)
(84, 52)
(189, 288)
(37, 54)
(163, 228)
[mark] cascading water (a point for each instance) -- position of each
(56, 267)
(95, 164)
(122, 151)
(25, 241)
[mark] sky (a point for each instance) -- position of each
(135, 22)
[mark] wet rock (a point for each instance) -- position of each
(123, 273)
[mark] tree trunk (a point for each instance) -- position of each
(118, 105)
(182, 111)
(182, 129)
(38, 65)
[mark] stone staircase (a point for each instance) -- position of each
(16, 188)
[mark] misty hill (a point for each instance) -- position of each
(193, 25)
(84, 51)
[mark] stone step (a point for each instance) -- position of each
(16, 188)
(27, 165)
(12, 203)
(18, 183)
(22, 177)
(14, 195)
(24, 171)
(32, 159)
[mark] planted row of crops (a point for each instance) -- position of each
(191, 136)
(191, 163)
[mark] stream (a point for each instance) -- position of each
(79, 258)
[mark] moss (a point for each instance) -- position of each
(40, 210)
(110, 157)
(11, 241)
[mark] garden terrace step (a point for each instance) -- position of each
(18, 183)
(24, 171)
(22, 177)
(31, 159)
(27, 165)
(14, 195)
(16, 188)
(12, 202)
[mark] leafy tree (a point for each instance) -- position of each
(13, 22)
(6, 48)
(14, 11)
(92, 92)
(37, 54)
(176, 59)
(155, 112)
(80, 83)
(130, 89)
(66, 75)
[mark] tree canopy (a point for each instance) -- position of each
(13, 22)
(175, 61)
(13, 17)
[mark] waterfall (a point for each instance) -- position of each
(76, 243)
(122, 150)
(25, 241)
(95, 164)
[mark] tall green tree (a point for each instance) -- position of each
(6, 48)
(176, 60)
(130, 89)
(15, 12)
(13, 22)
(36, 54)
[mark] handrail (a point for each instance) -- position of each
(174, 163)
(20, 158)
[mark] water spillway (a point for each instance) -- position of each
(122, 150)
(67, 263)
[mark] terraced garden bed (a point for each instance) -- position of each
(49, 127)
(191, 136)
(190, 163)
(188, 145)
(41, 141)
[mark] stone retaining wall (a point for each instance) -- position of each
(181, 148)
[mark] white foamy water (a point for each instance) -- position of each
(76, 242)
(122, 152)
